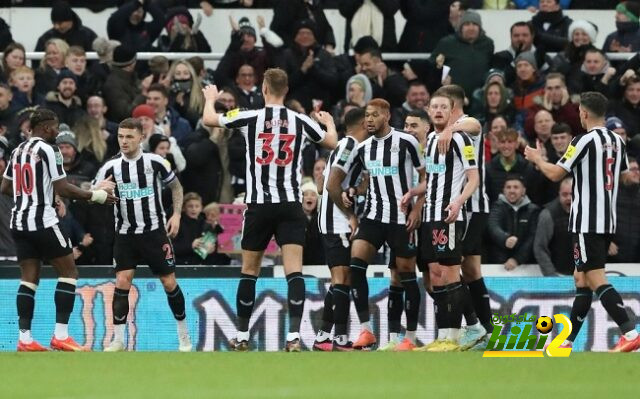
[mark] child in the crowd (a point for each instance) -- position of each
(22, 82)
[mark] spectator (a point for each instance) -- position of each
(313, 250)
(91, 141)
(97, 109)
(595, 75)
(167, 118)
(560, 139)
(582, 36)
(128, 25)
(497, 101)
(67, 26)
(182, 36)
(186, 92)
(512, 225)
(347, 65)
(375, 18)
(55, 53)
(5, 34)
(318, 170)
(506, 162)
(497, 4)
(205, 74)
(552, 245)
(203, 174)
(385, 83)
(522, 34)
(21, 131)
(310, 68)
(78, 167)
(616, 125)
(12, 58)
(542, 124)
(76, 62)
(81, 241)
(528, 85)
(64, 101)
(626, 38)
(159, 144)
(146, 114)
(249, 95)
(358, 93)
(427, 23)
(417, 98)
(556, 100)
(628, 108)
(7, 246)
(101, 69)
(625, 247)
(6, 112)
(189, 238)
(242, 50)
(121, 91)
(495, 127)
(288, 14)
(468, 43)
(228, 98)
(551, 27)
(213, 227)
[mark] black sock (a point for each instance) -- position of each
(295, 298)
(579, 310)
(468, 309)
(455, 304)
(480, 299)
(360, 288)
(64, 298)
(327, 312)
(394, 308)
(25, 302)
(176, 303)
(440, 307)
(341, 308)
(245, 299)
(612, 302)
(120, 306)
(412, 299)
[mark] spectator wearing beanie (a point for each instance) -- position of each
(582, 35)
(129, 26)
(468, 43)
(181, 35)
(551, 27)
(121, 91)
(64, 101)
(76, 165)
(286, 14)
(626, 38)
(528, 85)
(68, 27)
(310, 67)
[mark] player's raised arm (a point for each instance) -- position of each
(209, 115)
(65, 189)
(552, 171)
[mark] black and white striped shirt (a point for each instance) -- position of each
(596, 159)
(331, 220)
(479, 201)
(32, 168)
(138, 185)
(446, 175)
(391, 162)
(275, 136)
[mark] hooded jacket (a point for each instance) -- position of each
(136, 37)
(554, 37)
(78, 35)
(507, 220)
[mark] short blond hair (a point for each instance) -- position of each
(277, 81)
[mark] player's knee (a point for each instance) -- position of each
(123, 280)
(169, 282)
(470, 272)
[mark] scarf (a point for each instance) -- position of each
(367, 21)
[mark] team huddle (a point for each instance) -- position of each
(424, 197)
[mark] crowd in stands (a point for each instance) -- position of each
(523, 94)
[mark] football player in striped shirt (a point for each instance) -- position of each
(598, 161)
(34, 172)
(337, 224)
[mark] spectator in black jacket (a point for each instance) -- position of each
(551, 26)
(427, 23)
(625, 247)
(204, 169)
(287, 14)
(191, 229)
(76, 165)
(552, 246)
(627, 108)
(122, 91)
(626, 38)
(5, 34)
(375, 18)
(182, 36)
(64, 101)
(55, 52)
(68, 27)
(596, 74)
(128, 24)
(310, 68)
(248, 93)
(512, 225)
(385, 82)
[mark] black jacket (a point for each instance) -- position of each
(121, 94)
(5, 34)
(388, 8)
(507, 220)
(79, 35)
(66, 114)
(554, 38)
(496, 175)
(287, 13)
(137, 37)
(427, 23)
(203, 173)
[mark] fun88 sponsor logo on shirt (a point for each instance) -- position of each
(377, 168)
(435, 167)
(132, 191)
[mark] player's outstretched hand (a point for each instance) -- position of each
(454, 209)
(211, 93)
(107, 185)
(533, 154)
(173, 225)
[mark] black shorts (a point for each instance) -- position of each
(422, 266)
(50, 243)
(476, 228)
(152, 248)
(442, 242)
(402, 243)
(590, 250)
(286, 221)
(337, 249)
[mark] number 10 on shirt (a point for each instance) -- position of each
(268, 154)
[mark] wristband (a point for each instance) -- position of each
(98, 196)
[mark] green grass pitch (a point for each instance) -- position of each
(315, 375)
